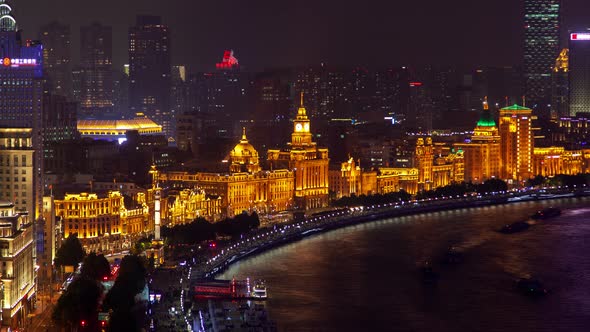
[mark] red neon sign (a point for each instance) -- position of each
(228, 61)
(414, 84)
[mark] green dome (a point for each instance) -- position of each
(486, 119)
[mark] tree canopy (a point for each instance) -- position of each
(70, 252)
(78, 303)
(96, 267)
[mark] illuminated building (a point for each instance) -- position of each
(245, 188)
(541, 47)
(114, 130)
(96, 60)
(149, 71)
(59, 119)
(18, 180)
(190, 204)
(18, 266)
(100, 221)
(579, 72)
(229, 61)
(21, 99)
(482, 155)
(516, 141)
(560, 85)
(309, 163)
(51, 240)
(57, 58)
(554, 160)
(347, 180)
(424, 160)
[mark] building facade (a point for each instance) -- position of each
(102, 222)
(307, 161)
(579, 72)
(482, 154)
(57, 58)
(560, 86)
(18, 266)
(517, 142)
(149, 71)
(96, 61)
(541, 48)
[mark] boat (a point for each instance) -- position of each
(259, 290)
(547, 213)
(516, 227)
(453, 256)
(530, 287)
(429, 276)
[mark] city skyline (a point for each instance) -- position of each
(265, 34)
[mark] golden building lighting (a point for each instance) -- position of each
(307, 160)
(113, 129)
(517, 142)
(482, 155)
(555, 160)
(100, 221)
(245, 188)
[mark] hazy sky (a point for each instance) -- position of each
(267, 33)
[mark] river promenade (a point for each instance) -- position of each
(265, 239)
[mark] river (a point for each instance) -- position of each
(366, 277)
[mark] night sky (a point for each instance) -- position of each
(270, 33)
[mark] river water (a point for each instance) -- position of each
(366, 277)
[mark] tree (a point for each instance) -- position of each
(78, 303)
(70, 253)
(121, 298)
(96, 267)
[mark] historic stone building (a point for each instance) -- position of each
(101, 222)
(482, 154)
(244, 188)
(307, 161)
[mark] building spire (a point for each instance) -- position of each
(485, 103)
(244, 134)
(301, 102)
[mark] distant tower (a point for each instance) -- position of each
(149, 72)
(96, 60)
(157, 195)
(560, 85)
(541, 47)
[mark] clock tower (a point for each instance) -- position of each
(301, 135)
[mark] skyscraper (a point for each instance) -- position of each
(21, 92)
(57, 58)
(560, 85)
(149, 71)
(21, 99)
(541, 47)
(96, 86)
(579, 72)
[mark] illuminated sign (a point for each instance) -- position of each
(415, 84)
(580, 36)
(18, 62)
(228, 61)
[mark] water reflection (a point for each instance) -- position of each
(366, 278)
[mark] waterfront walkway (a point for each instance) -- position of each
(265, 239)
